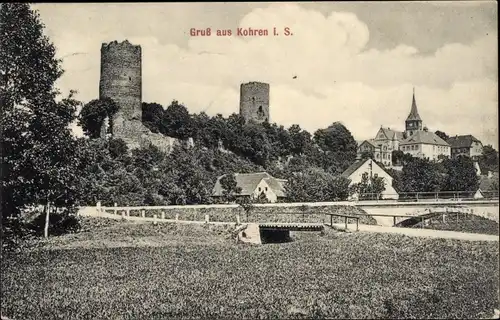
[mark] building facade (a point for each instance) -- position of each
(466, 145)
(424, 144)
(254, 185)
(254, 102)
(371, 168)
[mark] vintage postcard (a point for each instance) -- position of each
(291, 160)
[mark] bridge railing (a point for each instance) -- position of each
(438, 195)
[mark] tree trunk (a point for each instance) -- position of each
(47, 219)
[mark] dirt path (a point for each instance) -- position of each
(423, 232)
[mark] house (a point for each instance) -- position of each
(467, 145)
(389, 138)
(487, 186)
(357, 169)
(380, 152)
(425, 144)
(254, 184)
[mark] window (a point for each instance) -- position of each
(266, 189)
(129, 79)
(260, 189)
(375, 175)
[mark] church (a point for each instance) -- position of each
(415, 140)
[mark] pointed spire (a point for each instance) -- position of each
(413, 112)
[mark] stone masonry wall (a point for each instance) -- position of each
(254, 101)
(121, 80)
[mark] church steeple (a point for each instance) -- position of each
(413, 122)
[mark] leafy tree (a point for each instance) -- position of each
(460, 175)
(177, 122)
(489, 159)
(300, 140)
(314, 185)
(152, 115)
(38, 150)
(419, 175)
(369, 187)
(230, 188)
(336, 138)
(442, 135)
(93, 114)
(398, 157)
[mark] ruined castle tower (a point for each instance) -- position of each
(254, 101)
(121, 77)
(121, 80)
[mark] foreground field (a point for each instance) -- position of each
(463, 223)
(126, 271)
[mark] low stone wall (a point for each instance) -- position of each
(255, 214)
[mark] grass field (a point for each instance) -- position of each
(463, 223)
(139, 271)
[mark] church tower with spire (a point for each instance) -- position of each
(413, 123)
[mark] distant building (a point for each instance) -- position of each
(389, 138)
(254, 184)
(357, 169)
(413, 122)
(380, 152)
(425, 144)
(466, 145)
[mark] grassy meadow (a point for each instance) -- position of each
(122, 270)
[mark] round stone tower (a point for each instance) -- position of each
(121, 80)
(254, 101)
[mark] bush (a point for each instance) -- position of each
(59, 223)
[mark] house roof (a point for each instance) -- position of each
(371, 142)
(462, 141)
(249, 181)
(414, 111)
(357, 164)
(392, 134)
(425, 137)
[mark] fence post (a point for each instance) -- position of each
(143, 213)
(207, 218)
(238, 218)
(163, 215)
(422, 224)
(176, 217)
(98, 207)
(394, 220)
(128, 212)
(345, 223)
(123, 214)
(357, 224)
(115, 211)
(154, 219)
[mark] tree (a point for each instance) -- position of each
(230, 188)
(152, 115)
(442, 135)
(489, 159)
(460, 175)
(262, 198)
(314, 185)
(420, 175)
(38, 150)
(336, 138)
(177, 122)
(93, 114)
(300, 139)
(397, 157)
(369, 187)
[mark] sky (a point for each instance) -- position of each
(353, 62)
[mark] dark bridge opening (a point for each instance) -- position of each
(275, 236)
